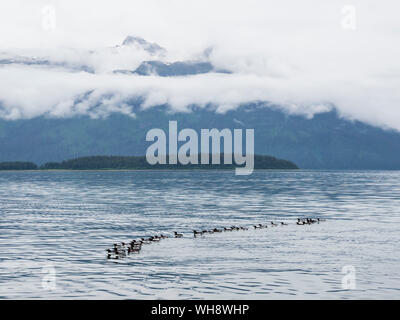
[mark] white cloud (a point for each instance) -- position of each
(292, 53)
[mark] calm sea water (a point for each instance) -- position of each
(64, 221)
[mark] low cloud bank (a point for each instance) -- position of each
(32, 91)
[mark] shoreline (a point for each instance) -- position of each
(190, 169)
(155, 169)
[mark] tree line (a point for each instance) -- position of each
(139, 162)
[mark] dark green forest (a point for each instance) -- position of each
(139, 162)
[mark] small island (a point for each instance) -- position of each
(18, 165)
(139, 163)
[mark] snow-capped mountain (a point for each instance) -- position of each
(134, 55)
(140, 43)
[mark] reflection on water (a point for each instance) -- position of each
(57, 225)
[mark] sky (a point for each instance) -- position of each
(304, 55)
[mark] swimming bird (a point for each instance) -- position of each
(309, 221)
(135, 249)
(144, 241)
(195, 233)
(178, 235)
(154, 239)
(116, 248)
(217, 230)
(136, 245)
(121, 253)
(283, 224)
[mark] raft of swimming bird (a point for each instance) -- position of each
(123, 249)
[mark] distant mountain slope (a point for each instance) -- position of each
(323, 142)
(173, 69)
(178, 68)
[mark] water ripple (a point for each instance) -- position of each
(66, 220)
